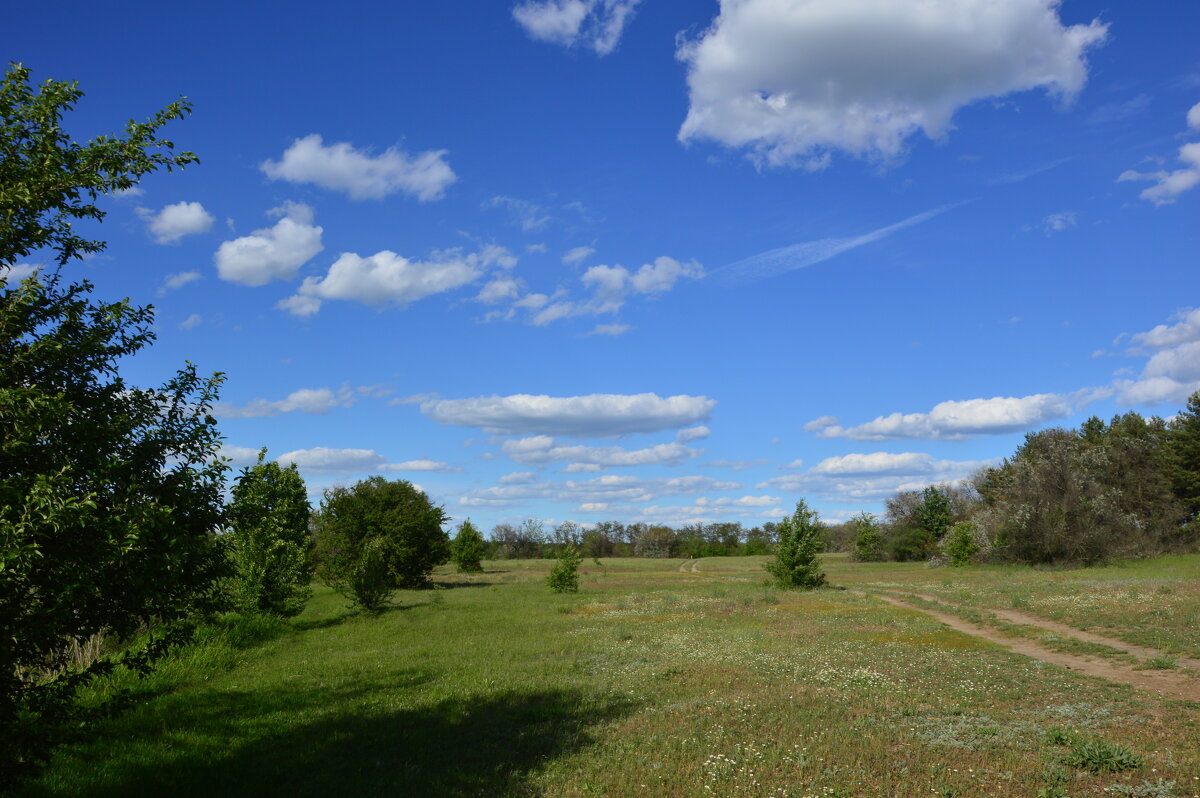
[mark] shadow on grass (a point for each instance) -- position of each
(454, 585)
(351, 613)
(334, 742)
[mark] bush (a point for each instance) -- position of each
(467, 549)
(868, 542)
(378, 536)
(796, 564)
(961, 543)
(564, 576)
(269, 545)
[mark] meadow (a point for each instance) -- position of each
(677, 678)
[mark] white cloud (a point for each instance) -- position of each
(518, 478)
(342, 167)
(275, 253)
(956, 420)
(17, 272)
(794, 80)
(1058, 222)
(820, 423)
(582, 468)
(1169, 185)
(420, 465)
(306, 400)
(610, 329)
(325, 460)
(874, 476)
(797, 463)
(692, 434)
(528, 215)
(735, 465)
(500, 289)
(593, 415)
(240, 456)
(1173, 372)
(744, 501)
(610, 488)
(191, 322)
(544, 449)
(577, 254)
(178, 280)
(386, 278)
(596, 24)
(174, 222)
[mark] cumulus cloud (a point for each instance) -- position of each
(17, 272)
(956, 420)
(735, 465)
(545, 449)
(593, 415)
(874, 476)
(518, 478)
(605, 489)
(274, 253)
(191, 321)
(239, 456)
(611, 287)
(610, 329)
(306, 400)
(178, 280)
(174, 222)
(692, 434)
(325, 460)
(1172, 373)
(420, 465)
(577, 254)
(342, 167)
(386, 278)
(595, 24)
(1169, 185)
(794, 80)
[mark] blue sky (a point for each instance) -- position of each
(648, 261)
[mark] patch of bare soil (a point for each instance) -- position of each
(1167, 683)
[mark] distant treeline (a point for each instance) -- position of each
(1126, 488)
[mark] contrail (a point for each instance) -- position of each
(785, 259)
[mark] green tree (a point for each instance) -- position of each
(467, 548)
(960, 543)
(269, 544)
(868, 542)
(110, 494)
(796, 564)
(934, 513)
(1183, 458)
(564, 576)
(378, 536)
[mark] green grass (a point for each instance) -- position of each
(647, 682)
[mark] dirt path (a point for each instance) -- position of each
(683, 566)
(1025, 619)
(1172, 684)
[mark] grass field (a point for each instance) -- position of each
(657, 681)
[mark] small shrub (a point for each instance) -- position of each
(564, 576)
(1093, 754)
(960, 545)
(868, 542)
(796, 564)
(1163, 662)
(467, 549)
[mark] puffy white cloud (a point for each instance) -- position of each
(596, 24)
(174, 222)
(956, 420)
(794, 80)
(420, 465)
(306, 400)
(17, 272)
(191, 321)
(500, 289)
(275, 253)
(582, 468)
(325, 460)
(874, 476)
(606, 489)
(240, 456)
(387, 278)
(1169, 185)
(593, 415)
(1172, 373)
(1185, 330)
(518, 478)
(342, 167)
(821, 423)
(544, 449)
(178, 280)
(692, 434)
(744, 501)
(651, 278)
(577, 254)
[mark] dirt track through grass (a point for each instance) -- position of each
(1164, 683)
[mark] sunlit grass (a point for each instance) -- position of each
(647, 682)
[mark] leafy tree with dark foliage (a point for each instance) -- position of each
(467, 548)
(377, 536)
(110, 494)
